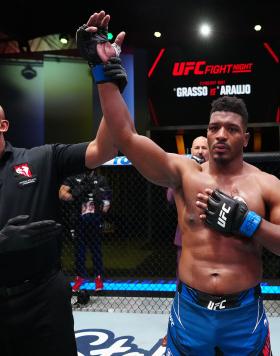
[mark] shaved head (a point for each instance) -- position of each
(200, 148)
(200, 140)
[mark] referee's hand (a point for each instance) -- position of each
(19, 235)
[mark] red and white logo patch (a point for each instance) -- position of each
(23, 170)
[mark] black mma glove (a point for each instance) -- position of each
(18, 235)
(113, 71)
(87, 42)
(230, 216)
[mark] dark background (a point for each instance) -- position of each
(177, 19)
(233, 41)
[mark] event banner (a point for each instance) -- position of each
(184, 81)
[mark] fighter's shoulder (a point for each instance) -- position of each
(269, 179)
(265, 179)
(251, 169)
(270, 188)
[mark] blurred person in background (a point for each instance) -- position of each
(91, 196)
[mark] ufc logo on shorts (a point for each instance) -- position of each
(215, 306)
(222, 215)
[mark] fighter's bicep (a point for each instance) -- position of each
(152, 161)
(273, 200)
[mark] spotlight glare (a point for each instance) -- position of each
(257, 28)
(63, 38)
(205, 30)
(157, 34)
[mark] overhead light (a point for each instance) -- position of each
(205, 30)
(157, 34)
(257, 28)
(28, 72)
(63, 38)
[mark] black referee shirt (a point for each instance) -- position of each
(29, 184)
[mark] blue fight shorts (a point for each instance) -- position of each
(201, 324)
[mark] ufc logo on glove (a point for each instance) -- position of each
(222, 217)
(231, 216)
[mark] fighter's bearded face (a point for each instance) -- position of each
(226, 136)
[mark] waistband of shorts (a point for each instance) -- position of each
(27, 284)
(219, 302)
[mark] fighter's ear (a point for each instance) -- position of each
(4, 125)
(246, 140)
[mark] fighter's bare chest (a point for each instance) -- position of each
(245, 187)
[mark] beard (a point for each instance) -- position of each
(226, 157)
(221, 158)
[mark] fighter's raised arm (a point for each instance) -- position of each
(152, 161)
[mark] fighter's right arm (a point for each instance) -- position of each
(150, 160)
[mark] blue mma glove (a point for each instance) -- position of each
(231, 216)
(113, 71)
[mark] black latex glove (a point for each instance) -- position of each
(18, 235)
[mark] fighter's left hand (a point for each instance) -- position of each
(227, 214)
